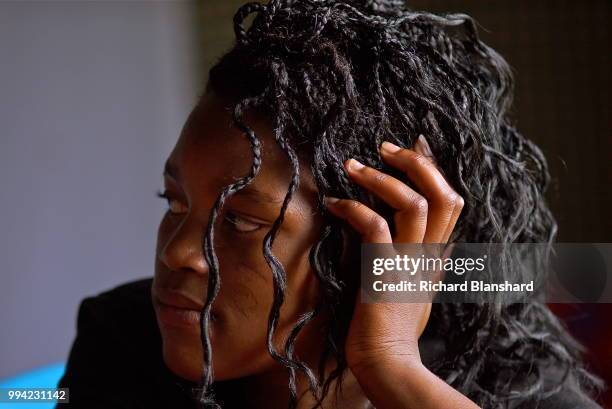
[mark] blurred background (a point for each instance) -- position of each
(93, 95)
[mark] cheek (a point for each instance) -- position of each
(249, 290)
(247, 284)
(163, 232)
(246, 280)
(302, 283)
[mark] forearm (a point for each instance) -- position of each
(410, 386)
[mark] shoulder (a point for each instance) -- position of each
(131, 294)
(117, 346)
(123, 315)
(125, 309)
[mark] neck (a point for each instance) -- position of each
(271, 390)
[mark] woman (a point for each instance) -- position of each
(330, 124)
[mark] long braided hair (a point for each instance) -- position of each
(336, 78)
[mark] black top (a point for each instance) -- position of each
(116, 359)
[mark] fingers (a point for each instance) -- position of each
(453, 219)
(422, 147)
(372, 227)
(411, 207)
(428, 215)
(444, 204)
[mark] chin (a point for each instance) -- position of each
(182, 355)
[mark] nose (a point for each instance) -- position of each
(182, 249)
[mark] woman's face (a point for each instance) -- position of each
(209, 155)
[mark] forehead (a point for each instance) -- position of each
(212, 153)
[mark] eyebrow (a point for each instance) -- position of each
(259, 196)
(249, 191)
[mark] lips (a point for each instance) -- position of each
(178, 299)
(177, 309)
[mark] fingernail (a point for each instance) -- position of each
(422, 146)
(330, 200)
(354, 164)
(389, 147)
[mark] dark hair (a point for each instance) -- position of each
(336, 78)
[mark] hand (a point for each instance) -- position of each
(383, 335)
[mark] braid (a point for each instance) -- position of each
(337, 77)
(241, 14)
(205, 398)
(279, 276)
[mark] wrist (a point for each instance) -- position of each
(408, 384)
(378, 369)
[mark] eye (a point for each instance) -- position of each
(174, 206)
(242, 225)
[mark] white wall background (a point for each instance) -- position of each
(92, 97)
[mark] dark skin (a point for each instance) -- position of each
(211, 154)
